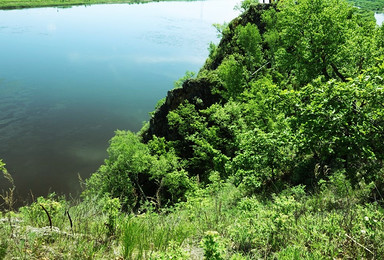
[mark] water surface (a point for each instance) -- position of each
(70, 77)
(379, 18)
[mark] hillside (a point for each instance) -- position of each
(273, 150)
(280, 88)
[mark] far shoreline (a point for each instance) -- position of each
(25, 4)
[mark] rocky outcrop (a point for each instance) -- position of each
(227, 44)
(195, 91)
(199, 91)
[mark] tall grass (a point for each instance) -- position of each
(335, 221)
(146, 234)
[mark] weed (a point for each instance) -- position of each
(214, 248)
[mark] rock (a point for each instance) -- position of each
(195, 91)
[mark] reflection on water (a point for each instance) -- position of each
(70, 77)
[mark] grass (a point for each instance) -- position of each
(335, 222)
(20, 4)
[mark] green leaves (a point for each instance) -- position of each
(127, 154)
(214, 248)
(2, 165)
(232, 74)
(135, 171)
(262, 158)
(249, 41)
(342, 125)
(318, 37)
(246, 57)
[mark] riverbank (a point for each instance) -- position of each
(20, 4)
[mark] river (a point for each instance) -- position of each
(70, 77)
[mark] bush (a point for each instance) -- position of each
(55, 206)
(214, 248)
(136, 172)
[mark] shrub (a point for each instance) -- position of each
(136, 172)
(214, 248)
(56, 208)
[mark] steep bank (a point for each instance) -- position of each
(250, 117)
(200, 92)
(195, 91)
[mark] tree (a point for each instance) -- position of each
(122, 173)
(249, 40)
(341, 124)
(233, 76)
(312, 38)
(136, 172)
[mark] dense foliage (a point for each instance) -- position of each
(301, 99)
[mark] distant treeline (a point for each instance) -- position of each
(372, 5)
(20, 4)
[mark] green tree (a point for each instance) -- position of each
(128, 163)
(233, 76)
(248, 40)
(380, 39)
(136, 172)
(265, 141)
(342, 124)
(313, 37)
(195, 142)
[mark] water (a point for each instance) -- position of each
(70, 77)
(379, 18)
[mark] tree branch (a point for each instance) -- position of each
(49, 217)
(337, 72)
